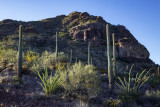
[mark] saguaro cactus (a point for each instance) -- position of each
(56, 47)
(76, 60)
(20, 53)
(89, 57)
(71, 57)
(110, 73)
(91, 61)
(114, 56)
(158, 72)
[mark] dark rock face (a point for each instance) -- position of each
(94, 32)
(131, 50)
(81, 26)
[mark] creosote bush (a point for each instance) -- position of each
(80, 78)
(48, 59)
(9, 54)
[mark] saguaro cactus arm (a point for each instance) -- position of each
(89, 57)
(114, 56)
(56, 47)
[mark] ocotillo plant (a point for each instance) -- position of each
(114, 56)
(89, 57)
(56, 47)
(110, 73)
(20, 53)
(71, 57)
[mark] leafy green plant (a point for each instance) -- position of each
(9, 54)
(49, 59)
(49, 82)
(31, 56)
(82, 78)
(127, 93)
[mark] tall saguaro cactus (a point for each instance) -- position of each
(89, 57)
(114, 56)
(110, 73)
(56, 47)
(20, 53)
(158, 72)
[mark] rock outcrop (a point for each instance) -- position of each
(83, 27)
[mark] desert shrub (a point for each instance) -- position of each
(127, 93)
(113, 102)
(154, 80)
(152, 96)
(31, 56)
(81, 78)
(9, 54)
(153, 93)
(62, 34)
(48, 59)
(49, 83)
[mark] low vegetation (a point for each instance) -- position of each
(60, 70)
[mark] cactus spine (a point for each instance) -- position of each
(89, 57)
(71, 57)
(20, 53)
(114, 56)
(56, 46)
(110, 73)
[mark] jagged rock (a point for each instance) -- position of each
(80, 26)
(131, 50)
(89, 32)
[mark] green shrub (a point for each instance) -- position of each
(154, 80)
(81, 78)
(127, 93)
(49, 83)
(153, 93)
(31, 58)
(9, 54)
(48, 59)
(113, 102)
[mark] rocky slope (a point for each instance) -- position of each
(81, 27)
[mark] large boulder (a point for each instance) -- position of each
(131, 50)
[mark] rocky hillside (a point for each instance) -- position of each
(75, 31)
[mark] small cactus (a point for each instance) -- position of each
(110, 73)
(114, 56)
(20, 53)
(89, 57)
(56, 46)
